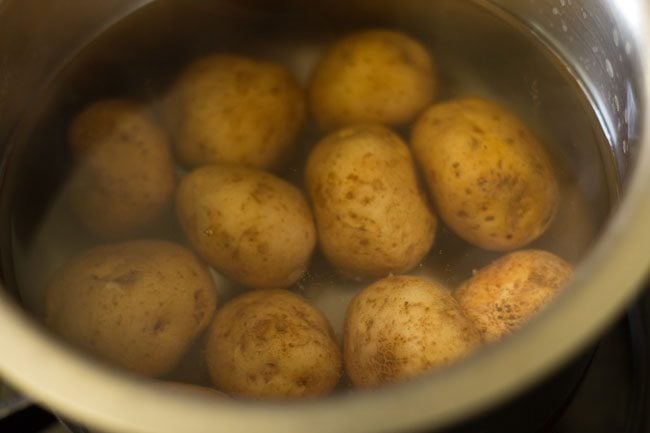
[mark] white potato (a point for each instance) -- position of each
(504, 295)
(272, 344)
(123, 176)
(491, 180)
(255, 228)
(372, 217)
(401, 327)
(137, 304)
(226, 108)
(372, 76)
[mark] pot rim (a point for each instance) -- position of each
(48, 370)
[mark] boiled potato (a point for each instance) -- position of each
(491, 180)
(253, 227)
(501, 297)
(138, 304)
(371, 215)
(123, 178)
(374, 76)
(403, 326)
(272, 344)
(227, 108)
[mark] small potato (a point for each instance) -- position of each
(227, 108)
(253, 227)
(272, 344)
(491, 180)
(400, 327)
(139, 304)
(502, 296)
(372, 217)
(123, 178)
(374, 76)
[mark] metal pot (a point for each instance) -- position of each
(603, 45)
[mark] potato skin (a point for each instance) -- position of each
(123, 178)
(491, 180)
(253, 227)
(403, 326)
(371, 215)
(373, 76)
(226, 108)
(272, 344)
(138, 304)
(504, 295)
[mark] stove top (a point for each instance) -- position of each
(613, 396)
(604, 390)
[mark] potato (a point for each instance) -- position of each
(373, 76)
(491, 180)
(502, 296)
(123, 178)
(372, 217)
(253, 227)
(226, 108)
(403, 326)
(272, 344)
(138, 304)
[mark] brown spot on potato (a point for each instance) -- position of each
(160, 326)
(263, 192)
(128, 278)
(263, 248)
(378, 185)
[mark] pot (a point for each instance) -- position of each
(599, 51)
